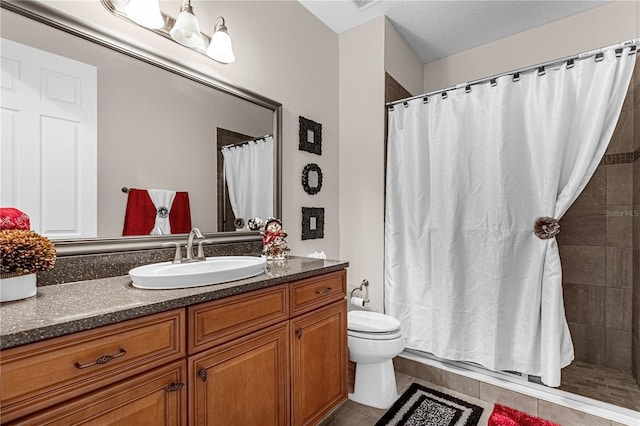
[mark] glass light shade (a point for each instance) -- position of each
(186, 30)
(145, 13)
(220, 48)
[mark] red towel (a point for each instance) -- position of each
(505, 416)
(180, 214)
(140, 215)
(12, 218)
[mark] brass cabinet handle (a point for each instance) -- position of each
(299, 333)
(102, 360)
(325, 291)
(173, 387)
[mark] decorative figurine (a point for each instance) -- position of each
(274, 245)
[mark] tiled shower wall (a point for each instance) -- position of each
(599, 244)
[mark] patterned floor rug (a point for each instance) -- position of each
(421, 406)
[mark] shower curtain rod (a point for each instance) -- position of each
(541, 68)
(245, 142)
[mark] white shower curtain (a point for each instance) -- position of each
(467, 177)
(249, 174)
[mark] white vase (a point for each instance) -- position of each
(17, 287)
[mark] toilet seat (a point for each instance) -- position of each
(387, 335)
(372, 325)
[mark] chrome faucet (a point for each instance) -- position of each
(195, 232)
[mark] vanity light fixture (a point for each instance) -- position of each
(220, 48)
(186, 30)
(145, 13)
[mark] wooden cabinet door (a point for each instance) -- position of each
(244, 382)
(318, 363)
(155, 398)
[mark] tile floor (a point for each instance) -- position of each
(478, 393)
(602, 383)
(354, 414)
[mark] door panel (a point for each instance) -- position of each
(319, 363)
(242, 383)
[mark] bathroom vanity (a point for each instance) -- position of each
(268, 350)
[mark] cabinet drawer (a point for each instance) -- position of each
(42, 374)
(156, 398)
(220, 321)
(313, 292)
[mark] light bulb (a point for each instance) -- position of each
(220, 48)
(145, 13)
(186, 30)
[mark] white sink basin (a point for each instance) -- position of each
(214, 270)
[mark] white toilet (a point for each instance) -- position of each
(374, 339)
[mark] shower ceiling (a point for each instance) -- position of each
(435, 29)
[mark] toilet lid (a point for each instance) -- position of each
(371, 322)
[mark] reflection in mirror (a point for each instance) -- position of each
(248, 169)
(157, 128)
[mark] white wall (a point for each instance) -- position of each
(362, 154)
(366, 52)
(602, 26)
(282, 52)
(401, 62)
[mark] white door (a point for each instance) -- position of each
(48, 155)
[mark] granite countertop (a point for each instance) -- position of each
(68, 308)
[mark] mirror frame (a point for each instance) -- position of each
(52, 17)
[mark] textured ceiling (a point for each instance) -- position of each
(435, 29)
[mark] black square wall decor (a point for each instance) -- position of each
(312, 223)
(310, 135)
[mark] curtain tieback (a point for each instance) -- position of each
(546, 227)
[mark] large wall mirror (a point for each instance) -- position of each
(158, 125)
